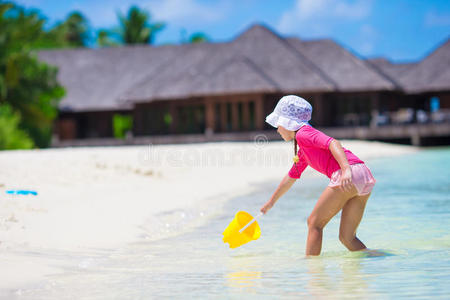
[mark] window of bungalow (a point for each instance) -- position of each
(217, 117)
(192, 118)
(240, 115)
(154, 119)
(353, 110)
(270, 101)
(251, 109)
(229, 117)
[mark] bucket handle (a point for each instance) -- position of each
(250, 223)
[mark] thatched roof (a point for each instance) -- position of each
(347, 71)
(257, 61)
(95, 79)
(431, 74)
(428, 75)
(393, 70)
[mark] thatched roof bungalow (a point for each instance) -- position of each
(224, 87)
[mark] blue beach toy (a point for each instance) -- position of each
(21, 192)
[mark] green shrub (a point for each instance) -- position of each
(29, 86)
(11, 136)
(122, 124)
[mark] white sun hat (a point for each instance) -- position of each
(291, 112)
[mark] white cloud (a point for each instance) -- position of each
(355, 11)
(308, 8)
(366, 40)
(434, 19)
(365, 48)
(368, 31)
(323, 11)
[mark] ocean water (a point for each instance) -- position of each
(407, 219)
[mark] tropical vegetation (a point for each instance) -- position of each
(29, 88)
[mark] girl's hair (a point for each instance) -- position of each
(295, 143)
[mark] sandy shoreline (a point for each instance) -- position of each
(104, 197)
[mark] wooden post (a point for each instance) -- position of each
(245, 115)
(103, 124)
(259, 120)
(319, 110)
(374, 104)
(210, 116)
(67, 129)
(234, 116)
(223, 116)
(416, 138)
(137, 120)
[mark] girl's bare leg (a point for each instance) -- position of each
(351, 216)
(329, 204)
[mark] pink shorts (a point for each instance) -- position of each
(362, 178)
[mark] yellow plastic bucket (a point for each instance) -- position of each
(232, 235)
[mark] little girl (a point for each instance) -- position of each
(351, 181)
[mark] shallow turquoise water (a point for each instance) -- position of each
(407, 218)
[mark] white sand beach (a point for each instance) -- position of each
(105, 197)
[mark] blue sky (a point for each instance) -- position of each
(401, 30)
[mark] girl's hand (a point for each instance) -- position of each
(346, 180)
(265, 208)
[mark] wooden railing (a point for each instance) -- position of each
(414, 132)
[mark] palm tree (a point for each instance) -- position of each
(198, 37)
(104, 38)
(77, 29)
(73, 32)
(136, 28)
(29, 89)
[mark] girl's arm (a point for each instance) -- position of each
(339, 154)
(282, 188)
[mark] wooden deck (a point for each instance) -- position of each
(414, 132)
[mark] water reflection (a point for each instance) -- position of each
(244, 275)
(338, 275)
(336, 278)
(319, 282)
(353, 281)
(244, 279)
